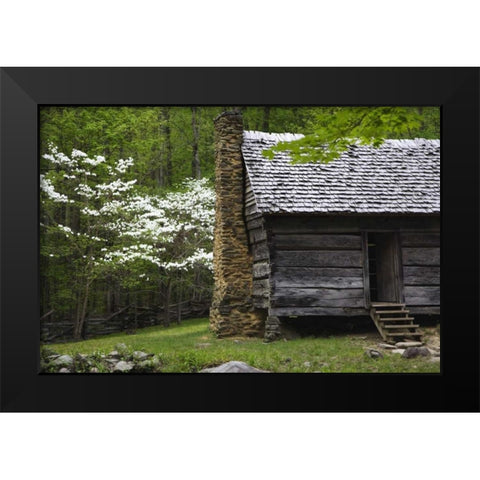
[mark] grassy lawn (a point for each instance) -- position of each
(190, 346)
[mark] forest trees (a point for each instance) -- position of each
(96, 225)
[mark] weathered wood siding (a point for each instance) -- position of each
(257, 237)
(316, 273)
(421, 271)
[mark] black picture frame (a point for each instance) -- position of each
(455, 90)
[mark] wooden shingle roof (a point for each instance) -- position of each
(399, 177)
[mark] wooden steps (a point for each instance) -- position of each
(393, 321)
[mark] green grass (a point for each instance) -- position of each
(179, 351)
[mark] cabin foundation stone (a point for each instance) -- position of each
(232, 312)
(272, 329)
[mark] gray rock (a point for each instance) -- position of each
(386, 346)
(112, 361)
(307, 364)
(408, 344)
(82, 359)
(146, 366)
(50, 358)
(413, 352)
(233, 367)
(114, 354)
(140, 356)
(123, 366)
(63, 361)
(373, 353)
(64, 370)
(434, 359)
(398, 350)
(434, 353)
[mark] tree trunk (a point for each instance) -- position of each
(81, 312)
(167, 146)
(166, 304)
(196, 173)
(266, 119)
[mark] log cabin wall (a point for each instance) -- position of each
(421, 271)
(317, 274)
(257, 236)
(318, 263)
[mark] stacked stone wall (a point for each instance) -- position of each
(232, 312)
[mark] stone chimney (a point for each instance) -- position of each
(232, 312)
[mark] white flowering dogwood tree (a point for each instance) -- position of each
(110, 227)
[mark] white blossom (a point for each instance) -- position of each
(47, 187)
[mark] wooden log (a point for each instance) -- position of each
(290, 280)
(261, 288)
(261, 302)
(255, 223)
(419, 310)
(422, 295)
(317, 311)
(249, 210)
(318, 297)
(46, 315)
(257, 235)
(261, 270)
(260, 251)
(421, 275)
(301, 272)
(421, 256)
(250, 217)
(117, 313)
(420, 239)
(324, 293)
(317, 242)
(337, 224)
(324, 258)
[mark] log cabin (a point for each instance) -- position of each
(358, 236)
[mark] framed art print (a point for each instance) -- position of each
(166, 228)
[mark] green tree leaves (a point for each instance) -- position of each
(330, 130)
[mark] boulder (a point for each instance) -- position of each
(53, 357)
(64, 370)
(82, 360)
(114, 354)
(408, 344)
(398, 350)
(233, 367)
(63, 361)
(123, 367)
(140, 356)
(387, 346)
(413, 352)
(373, 353)
(147, 366)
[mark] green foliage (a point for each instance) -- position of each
(330, 130)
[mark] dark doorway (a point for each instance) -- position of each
(384, 267)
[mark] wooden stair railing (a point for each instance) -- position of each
(393, 321)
